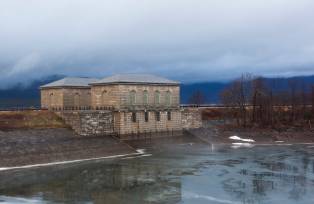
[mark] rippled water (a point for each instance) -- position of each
(180, 172)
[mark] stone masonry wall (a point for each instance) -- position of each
(77, 97)
(65, 98)
(107, 95)
(125, 125)
(118, 95)
(191, 118)
(90, 123)
(51, 98)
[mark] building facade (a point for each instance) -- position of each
(143, 103)
(137, 103)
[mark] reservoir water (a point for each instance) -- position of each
(181, 171)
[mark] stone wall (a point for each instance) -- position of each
(191, 118)
(70, 98)
(51, 97)
(118, 96)
(90, 123)
(124, 123)
(76, 97)
(104, 96)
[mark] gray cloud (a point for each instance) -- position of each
(184, 40)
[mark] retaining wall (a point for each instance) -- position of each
(87, 123)
(101, 122)
(191, 118)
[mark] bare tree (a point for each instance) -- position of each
(293, 98)
(312, 101)
(258, 88)
(238, 95)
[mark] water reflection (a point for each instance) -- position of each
(98, 182)
(175, 173)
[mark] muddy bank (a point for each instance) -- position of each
(24, 147)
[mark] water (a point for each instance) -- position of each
(183, 171)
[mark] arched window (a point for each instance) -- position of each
(157, 97)
(76, 100)
(145, 97)
(51, 101)
(168, 98)
(132, 98)
(104, 96)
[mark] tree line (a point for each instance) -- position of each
(256, 101)
(261, 102)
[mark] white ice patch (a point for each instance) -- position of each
(238, 145)
(187, 144)
(17, 200)
(190, 195)
(138, 152)
(144, 155)
(280, 141)
(241, 139)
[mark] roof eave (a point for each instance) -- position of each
(60, 87)
(134, 83)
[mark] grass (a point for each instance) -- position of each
(10, 120)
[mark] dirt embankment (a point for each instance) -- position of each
(12, 120)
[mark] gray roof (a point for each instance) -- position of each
(71, 82)
(135, 78)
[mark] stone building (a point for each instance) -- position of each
(67, 94)
(124, 104)
(143, 103)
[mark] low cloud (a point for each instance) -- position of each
(185, 40)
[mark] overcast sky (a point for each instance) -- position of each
(195, 40)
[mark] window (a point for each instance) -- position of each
(132, 97)
(104, 96)
(146, 116)
(76, 100)
(157, 97)
(157, 116)
(51, 101)
(168, 98)
(133, 117)
(145, 97)
(169, 115)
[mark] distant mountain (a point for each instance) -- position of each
(210, 90)
(279, 84)
(20, 96)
